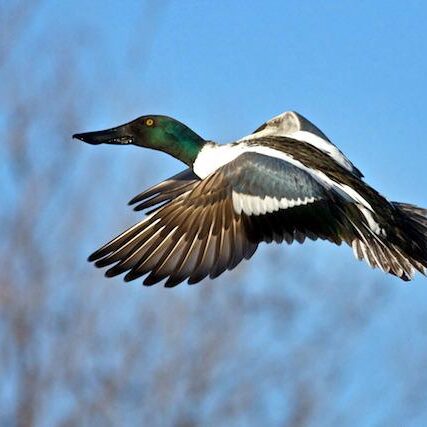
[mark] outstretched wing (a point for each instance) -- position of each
(196, 234)
(204, 227)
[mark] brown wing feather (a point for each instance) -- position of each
(194, 235)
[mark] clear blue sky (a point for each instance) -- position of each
(358, 70)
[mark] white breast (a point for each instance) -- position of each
(212, 157)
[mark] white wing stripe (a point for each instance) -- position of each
(323, 145)
(373, 225)
(254, 205)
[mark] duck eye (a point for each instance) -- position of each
(149, 122)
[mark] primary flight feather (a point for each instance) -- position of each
(284, 182)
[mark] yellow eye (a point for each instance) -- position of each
(149, 122)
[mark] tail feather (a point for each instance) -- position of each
(402, 250)
(412, 233)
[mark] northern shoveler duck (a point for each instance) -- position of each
(286, 181)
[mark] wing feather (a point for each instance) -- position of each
(201, 228)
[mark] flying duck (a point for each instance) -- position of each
(284, 182)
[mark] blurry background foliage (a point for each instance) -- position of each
(301, 335)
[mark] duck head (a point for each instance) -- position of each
(154, 131)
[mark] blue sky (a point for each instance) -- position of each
(356, 69)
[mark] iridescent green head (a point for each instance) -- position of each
(157, 132)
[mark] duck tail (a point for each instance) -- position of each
(411, 234)
(402, 248)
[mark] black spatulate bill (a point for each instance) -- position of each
(115, 136)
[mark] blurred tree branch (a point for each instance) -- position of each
(77, 350)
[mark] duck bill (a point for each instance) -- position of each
(116, 136)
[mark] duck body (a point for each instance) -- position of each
(284, 182)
